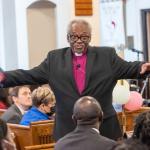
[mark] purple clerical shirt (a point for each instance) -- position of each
(79, 71)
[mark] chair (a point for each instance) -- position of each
(41, 147)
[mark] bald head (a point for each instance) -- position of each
(87, 110)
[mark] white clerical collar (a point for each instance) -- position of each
(96, 130)
(78, 54)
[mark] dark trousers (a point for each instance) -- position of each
(110, 128)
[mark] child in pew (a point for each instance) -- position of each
(43, 100)
(6, 140)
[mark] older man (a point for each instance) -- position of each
(77, 71)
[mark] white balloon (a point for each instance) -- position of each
(124, 83)
(121, 94)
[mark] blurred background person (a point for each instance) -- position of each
(43, 100)
(21, 96)
(4, 102)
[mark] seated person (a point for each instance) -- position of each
(6, 141)
(21, 96)
(43, 100)
(88, 115)
(142, 128)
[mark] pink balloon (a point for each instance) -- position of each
(135, 101)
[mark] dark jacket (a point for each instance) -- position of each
(12, 115)
(103, 69)
(83, 138)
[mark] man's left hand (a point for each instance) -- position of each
(144, 68)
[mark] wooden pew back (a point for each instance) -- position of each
(23, 135)
(42, 132)
(37, 133)
(127, 119)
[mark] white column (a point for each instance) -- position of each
(2, 52)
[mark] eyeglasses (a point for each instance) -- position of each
(83, 38)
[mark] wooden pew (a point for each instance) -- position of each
(42, 132)
(22, 135)
(37, 133)
(41, 147)
(2, 111)
(127, 119)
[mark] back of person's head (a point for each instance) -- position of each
(42, 95)
(87, 111)
(142, 128)
(131, 144)
(3, 131)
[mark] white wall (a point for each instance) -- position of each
(63, 16)
(8, 40)
(133, 18)
(2, 53)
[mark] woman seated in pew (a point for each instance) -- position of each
(43, 100)
(6, 140)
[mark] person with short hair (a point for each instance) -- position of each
(88, 116)
(43, 102)
(21, 96)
